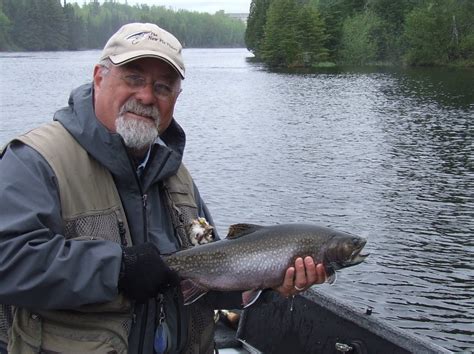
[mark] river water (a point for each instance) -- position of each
(385, 154)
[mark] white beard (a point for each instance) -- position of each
(137, 134)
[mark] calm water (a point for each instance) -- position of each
(388, 155)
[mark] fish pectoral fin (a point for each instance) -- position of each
(239, 230)
(192, 291)
(249, 297)
(331, 276)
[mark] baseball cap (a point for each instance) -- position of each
(144, 40)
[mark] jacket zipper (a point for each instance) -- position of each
(145, 219)
(145, 310)
(144, 318)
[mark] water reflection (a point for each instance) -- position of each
(384, 154)
(449, 87)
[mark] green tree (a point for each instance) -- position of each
(462, 32)
(393, 14)
(359, 42)
(53, 25)
(46, 25)
(334, 13)
(311, 36)
(13, 10)
(280, 47)
(429, 34)
(254, 32)
(75, 27)
(28, 28)
(4, 31)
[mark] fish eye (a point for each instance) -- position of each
(356, 241)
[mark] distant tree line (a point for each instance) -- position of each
(305, 33)
(55, 25)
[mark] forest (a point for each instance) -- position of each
(319, 33)
(281, 33)
(33, 25)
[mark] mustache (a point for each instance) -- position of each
(135, 107)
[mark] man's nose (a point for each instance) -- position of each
(145, 95)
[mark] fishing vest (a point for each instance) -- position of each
(92, 210)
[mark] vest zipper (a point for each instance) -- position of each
(122, 233)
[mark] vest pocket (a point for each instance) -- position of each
(103, 225)
(6, 319)
(68, 332)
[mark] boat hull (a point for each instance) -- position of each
(317, 323)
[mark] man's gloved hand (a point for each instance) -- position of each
(144, 273)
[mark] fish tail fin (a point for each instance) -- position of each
(192, 291)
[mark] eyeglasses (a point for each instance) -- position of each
(161, 90)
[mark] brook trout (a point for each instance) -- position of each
(254, 257)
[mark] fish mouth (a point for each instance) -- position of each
(356, 256)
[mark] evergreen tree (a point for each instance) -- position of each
(311, 36)
(392, 14)
(280, 46)
(13, 10)
(462, 32)
(75, 27)
(429, 34)
(28, 28)
(333, 14)
(4, 30)
(53, 26)
(358, 42)
(254, 32)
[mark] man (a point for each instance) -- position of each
(91, 200)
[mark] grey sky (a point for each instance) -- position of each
(229, 6)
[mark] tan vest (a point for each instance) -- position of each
(91, 209)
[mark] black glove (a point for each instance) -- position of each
(144, 273)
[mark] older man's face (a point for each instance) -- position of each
(128, 99)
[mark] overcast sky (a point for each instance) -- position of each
(229, 6)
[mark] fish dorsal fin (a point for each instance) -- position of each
(239, 230)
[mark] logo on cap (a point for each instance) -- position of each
(137, 37)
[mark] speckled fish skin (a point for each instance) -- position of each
(256, 257)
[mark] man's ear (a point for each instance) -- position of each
(98, 75)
